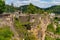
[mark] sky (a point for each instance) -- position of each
(39, 3)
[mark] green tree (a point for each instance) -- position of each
(31, 9)
(53, 9)
(10, 8)
(2, 6)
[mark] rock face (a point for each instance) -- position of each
(38, 23)
(8, 19)
(45, 20)
(5, 19)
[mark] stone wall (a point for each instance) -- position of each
(24, 18)
(29, 18)
(35, 20)
(5, 19)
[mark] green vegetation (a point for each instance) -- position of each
(50, 28)
(10, 8)
(58, 39)
(22, 31)
(33, 9)
(49, 38)
(58, 29)
(30, 37)
(53, 9)
(2, 6)
(57, 19)
(30, 9)
(5, 33)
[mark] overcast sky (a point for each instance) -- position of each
(39, 3)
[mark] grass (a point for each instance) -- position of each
(58, 29)
(50, 28)
(5, 33)
(49, 38)
(58, 39)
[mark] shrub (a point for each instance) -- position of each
(50, 28)
(5, 33)
(49, 38)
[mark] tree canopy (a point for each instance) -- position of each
(2, 6)
(30, 9)
(54, 9)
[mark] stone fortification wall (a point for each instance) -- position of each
(5, 19)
